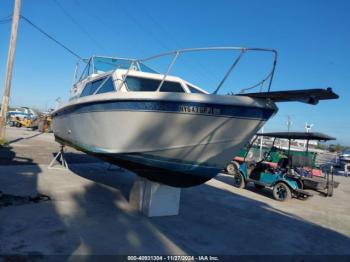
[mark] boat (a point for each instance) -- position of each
(162, 126)
(22, 113)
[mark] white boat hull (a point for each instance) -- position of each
(163, 137)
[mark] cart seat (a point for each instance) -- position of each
(271, 164)
(261, 167)
(316, 172)
(239, 159)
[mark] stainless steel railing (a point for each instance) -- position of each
(177, 53)
(242, 50)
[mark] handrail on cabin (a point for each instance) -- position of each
(242, 50)
(178, 52)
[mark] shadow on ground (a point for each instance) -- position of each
(266, 192)
(23, 138)
(90, 214)
(25, 218)
(215, 221)
(8, 157)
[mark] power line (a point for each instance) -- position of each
(202, 71)
(141, 26)
(176, 43)
(82, 29)
(51, 37)
(106, 25)
(6, 19)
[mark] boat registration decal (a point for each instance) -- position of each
(199, 110)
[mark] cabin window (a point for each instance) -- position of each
(171, 87)
(138, 84)
(107, 86)
(91, 87)
(194, 90)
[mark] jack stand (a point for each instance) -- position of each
(62, 161)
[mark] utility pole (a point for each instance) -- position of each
(9, 67)
(308, 127)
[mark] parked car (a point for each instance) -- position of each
(344, 157)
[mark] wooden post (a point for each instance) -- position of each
(9, 67)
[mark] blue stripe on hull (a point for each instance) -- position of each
(173, 164)
(196, 108)
(170, 173)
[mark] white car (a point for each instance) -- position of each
(344, 156)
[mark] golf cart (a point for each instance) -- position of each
(290, 175)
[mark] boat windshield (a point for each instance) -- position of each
(98, 65)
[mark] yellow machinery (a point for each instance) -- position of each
(45, 124)
(42, 123)
(17, 122)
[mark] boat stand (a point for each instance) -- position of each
(154, 199)
(59, 158)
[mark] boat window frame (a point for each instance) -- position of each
(200, 91)
(179, 81)
(92, 81)
(107, 77)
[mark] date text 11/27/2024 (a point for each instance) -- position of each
(173, 258)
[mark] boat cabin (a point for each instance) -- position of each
(104, 74)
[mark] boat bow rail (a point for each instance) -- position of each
(242, 51)
(111, 63)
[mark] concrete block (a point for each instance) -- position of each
(155, 199)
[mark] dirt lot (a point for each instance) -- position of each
(89, 212)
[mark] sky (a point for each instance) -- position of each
(312, 39)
